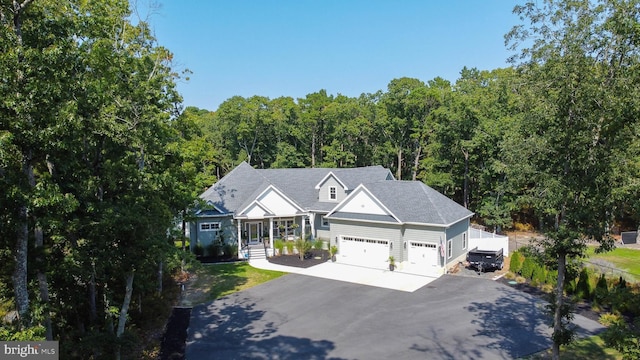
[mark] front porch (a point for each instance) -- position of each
(263, 232)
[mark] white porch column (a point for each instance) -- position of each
(303, 226)
(271, 233)
(239, 233)
(312, 225)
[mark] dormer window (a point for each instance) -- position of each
(333, 194)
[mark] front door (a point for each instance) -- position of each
(254, 232)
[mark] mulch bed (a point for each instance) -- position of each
(314, 257)
(175, 336)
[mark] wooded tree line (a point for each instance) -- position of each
(97, 160)
(91, 173)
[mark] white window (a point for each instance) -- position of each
(449, 249)
(210, 226)
(325, 222)
(284, 227)
(333, 194)
(464, 241)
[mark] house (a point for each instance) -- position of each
(364, 211)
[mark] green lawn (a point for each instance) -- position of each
(217, 280)
(591, 348)
(622, 258)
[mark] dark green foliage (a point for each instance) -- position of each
(199, 250)
(624, 337)
(318, 244)
(528, 266)
(601, 292)
(515, 264)
(584, 289)
(539, 275)
(213, 249)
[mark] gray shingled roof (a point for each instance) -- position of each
(243, 184)
(415, 202)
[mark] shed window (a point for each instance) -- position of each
(464, 241)
(449, 249)
(210, 226)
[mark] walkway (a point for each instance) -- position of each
(394, 280)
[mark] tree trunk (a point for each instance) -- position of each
(125, 305)
(19, 277)
(399, 171)
(416, 162)
(93, 311)
(465, 189)
(313, 151)
(638, 235)
(43, 284)
(160, 278)
(124, 310)
(557, 316)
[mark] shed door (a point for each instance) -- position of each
(364, 252)
(423, 255)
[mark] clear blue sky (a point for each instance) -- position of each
(296, 47)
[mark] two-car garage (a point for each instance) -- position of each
(422, 257)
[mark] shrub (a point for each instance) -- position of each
(515, 264)
(229, 250)
(509, 276)
(520, 280)
(539, 274)
(552, 277)
(583, 287)
(199, 250)
(318, 244)
(303, 247)
(601, 292)
(289, 245)
(528, 266)
(609, 319)
(213, 249)
(279, 245)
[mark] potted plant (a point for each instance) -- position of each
(392, 263)
(333, 250)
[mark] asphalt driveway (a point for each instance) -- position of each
(302, 317)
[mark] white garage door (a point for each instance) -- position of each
(423, 256)
(365, 252)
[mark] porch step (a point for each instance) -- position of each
(256, 252)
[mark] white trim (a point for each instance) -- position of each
(317, 187)
(271, 187)
(335, 193)
(210, 226)
(375, 199)
(449, 249)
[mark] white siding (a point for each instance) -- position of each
(362, 203)
(280, 206)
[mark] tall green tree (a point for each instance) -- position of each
(581, 61)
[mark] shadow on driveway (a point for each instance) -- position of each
(513, 323)
(233, 330)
